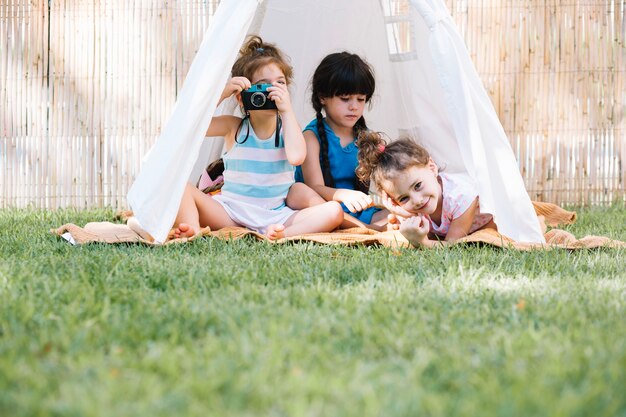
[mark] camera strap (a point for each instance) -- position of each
(279, 126)
(246, 117)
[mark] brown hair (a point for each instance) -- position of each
(379, 161)
(255, 54)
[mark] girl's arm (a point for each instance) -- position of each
(354, 200)
(292, 133)
(226, 125)
(460, 227)
(415, 229)
(294, 141)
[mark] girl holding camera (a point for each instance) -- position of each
(261, 150)
(343, 83)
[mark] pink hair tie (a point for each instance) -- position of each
(381, 148)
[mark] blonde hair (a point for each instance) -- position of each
(379, 162)
(255, 54)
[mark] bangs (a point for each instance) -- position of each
(349, 79)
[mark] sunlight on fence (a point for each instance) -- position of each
(86, 85)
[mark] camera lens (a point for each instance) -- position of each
(258, 99)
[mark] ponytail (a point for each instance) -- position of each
(329, 181)
(371, 149)
(360, 128)
(255, 53)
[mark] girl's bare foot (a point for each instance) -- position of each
(393, 222)
(183, 230)
(275, 231)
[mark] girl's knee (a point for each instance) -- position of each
(190, 189)
(335, 211)
(298, 187)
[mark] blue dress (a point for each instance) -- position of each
(343, 163)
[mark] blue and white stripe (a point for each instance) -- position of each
(257, 172)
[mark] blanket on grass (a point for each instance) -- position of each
(553, 215)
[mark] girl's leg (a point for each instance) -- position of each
(350, 222)
(199, 210)
(492, 224)
(379, 220)
(302, 196)
(321, 218)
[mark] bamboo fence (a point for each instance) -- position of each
(86, 86)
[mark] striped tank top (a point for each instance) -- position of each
(256, 171)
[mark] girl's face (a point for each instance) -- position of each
(417, 189)
(267, 74)
(344, 111)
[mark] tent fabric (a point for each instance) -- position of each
(429, 91)
(486, 152)
(158, 189)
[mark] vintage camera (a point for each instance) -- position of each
(256, 98)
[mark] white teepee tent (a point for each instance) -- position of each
(429, 90)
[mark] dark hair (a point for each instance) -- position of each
(379, 161)
(255, 54)
(338, 74)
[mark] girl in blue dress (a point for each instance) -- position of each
(342, 85)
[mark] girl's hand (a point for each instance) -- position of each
(235, 86)
(280, 96)
(393, 207)
(356, 200)
(415, 229)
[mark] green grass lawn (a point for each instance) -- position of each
(247, 328)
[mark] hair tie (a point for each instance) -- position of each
(381, 148)
(260, 50)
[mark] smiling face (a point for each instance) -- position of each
(344, 111)
(416, 189)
